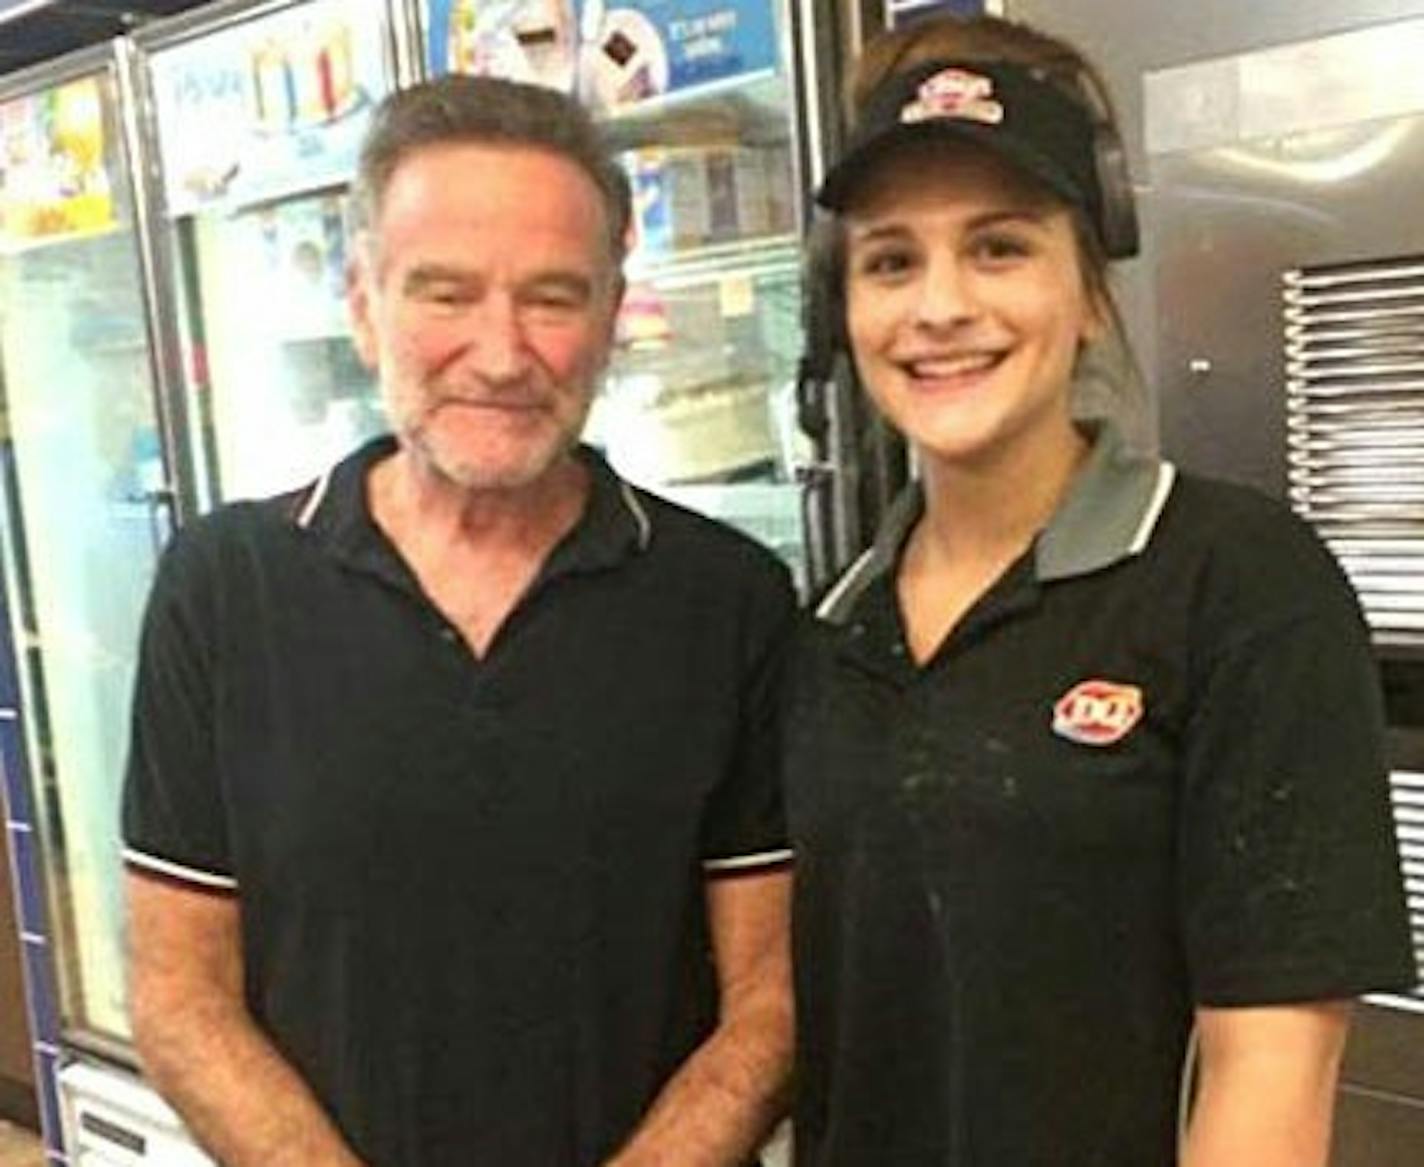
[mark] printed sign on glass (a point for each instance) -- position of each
(270, 107)
(53, 178)
(612, 55)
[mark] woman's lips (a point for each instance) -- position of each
(958, 367)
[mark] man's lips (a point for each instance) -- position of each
(494, 404)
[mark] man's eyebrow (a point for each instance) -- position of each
(573, 283)
(426, 275)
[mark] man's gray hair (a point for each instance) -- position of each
(487, 111)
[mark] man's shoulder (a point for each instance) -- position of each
(217, 541)
(694, 541)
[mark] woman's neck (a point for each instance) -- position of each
(990, 512)
(977, 521)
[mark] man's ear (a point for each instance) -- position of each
(615, 305)
(360, 295)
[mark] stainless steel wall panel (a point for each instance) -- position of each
(1228, 220)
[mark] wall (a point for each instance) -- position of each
(1128, 38)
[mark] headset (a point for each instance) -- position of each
(1117, 223)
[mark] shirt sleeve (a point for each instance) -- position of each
(745, 826)
(173, 822)
(1290, 884)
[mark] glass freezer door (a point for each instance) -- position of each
(275, 390)
(279, 393)
(84, 504)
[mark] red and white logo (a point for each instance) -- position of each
(1097, 713)
(955, 93)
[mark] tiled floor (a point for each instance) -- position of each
(19, 1148)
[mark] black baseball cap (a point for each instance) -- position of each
(1007, 108)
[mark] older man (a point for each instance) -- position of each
(451, 816)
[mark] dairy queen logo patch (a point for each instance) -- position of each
(955, 93)
(1097, 713)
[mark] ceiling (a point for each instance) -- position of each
(37, 30)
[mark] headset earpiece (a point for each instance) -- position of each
(823, 327)
(1117, 212)
(824, 305)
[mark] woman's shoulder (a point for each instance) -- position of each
(1231, 515)
(1245, 548)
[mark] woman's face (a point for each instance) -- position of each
(966, 305)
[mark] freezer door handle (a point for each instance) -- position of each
(160, 502)
(817, 503)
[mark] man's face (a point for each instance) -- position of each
(484, 298)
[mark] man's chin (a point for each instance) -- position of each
(490, 473)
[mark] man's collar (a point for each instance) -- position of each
(1109, 513)
(615, 522)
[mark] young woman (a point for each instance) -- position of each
(1087, 754)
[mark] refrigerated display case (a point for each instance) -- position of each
(83, 509)
(256, 235)
(82, 480)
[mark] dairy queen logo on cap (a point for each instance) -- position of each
(1097, 713)
(955, 93)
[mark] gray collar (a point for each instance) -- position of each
(1108, 515)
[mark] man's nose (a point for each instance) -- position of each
(497, 344)
(946, 294)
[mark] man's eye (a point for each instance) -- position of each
(554, 300)
(443, 296)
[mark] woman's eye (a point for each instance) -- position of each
(885, 263)
(1001, 248)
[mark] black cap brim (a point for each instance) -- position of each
(1042, 132)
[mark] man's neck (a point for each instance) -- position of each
(476, 553)
(417, 506)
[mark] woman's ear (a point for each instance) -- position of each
(1099, 318)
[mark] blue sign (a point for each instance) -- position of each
(612, 55)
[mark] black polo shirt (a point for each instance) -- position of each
(1143, 773)
(472, 890)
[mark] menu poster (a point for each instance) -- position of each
(53, 178)
(613, 55)
(645, 49)
(270, 107)
(535, 41)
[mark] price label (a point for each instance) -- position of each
(737, 295)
